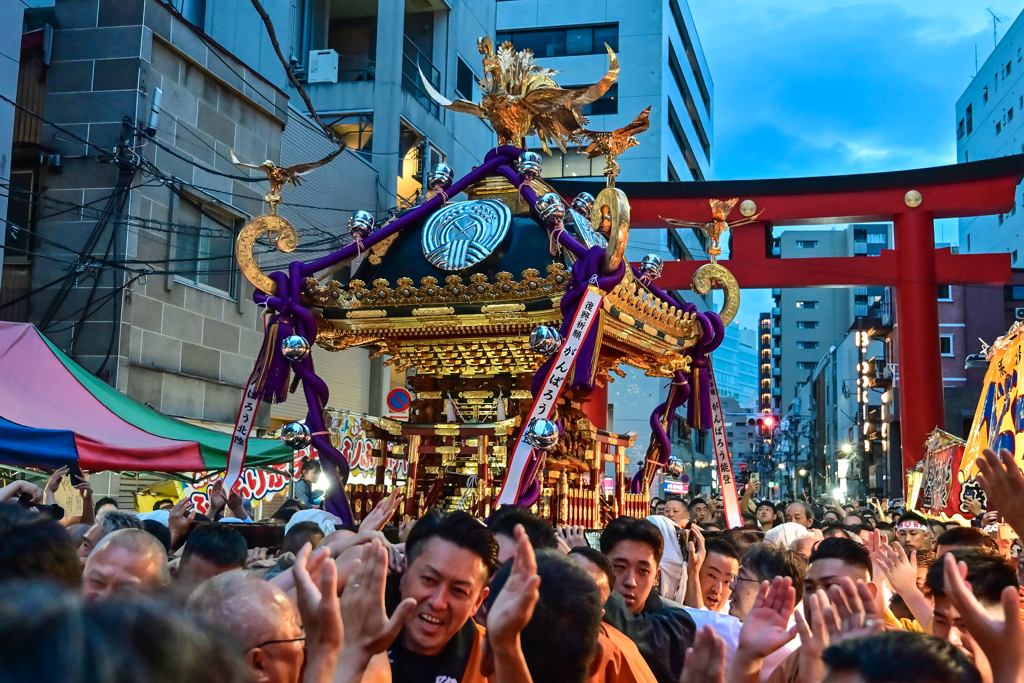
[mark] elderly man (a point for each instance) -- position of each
(126, 560)
(260, 618)
(109, 521)
(800, 513)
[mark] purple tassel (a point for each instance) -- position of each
(274, 368)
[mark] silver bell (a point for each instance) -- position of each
(296, 435)
(674, 468)
(550, 207)
(440, 175)
(583, 204)
(361, 224)
(541, 434)
(545, 340)
(529, 165)
(651, 266)
(294, 348)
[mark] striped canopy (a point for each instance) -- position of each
(53, 412)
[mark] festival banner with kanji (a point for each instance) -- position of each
(726, 477)
(587, 313)
(999, 419)
(940, 493)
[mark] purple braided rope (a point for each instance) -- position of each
(678, 395)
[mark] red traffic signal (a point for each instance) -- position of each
(769, 421)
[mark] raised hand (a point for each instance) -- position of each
(368, 630)
(179, 520)
(321, 616)
(218, 499)
(705, 661)
(573, 536)
(815, 636)
(513, 606)
(855, 610)
(1001, 640)
(695, 554)
(19, 487)
(53, 483)
(380, 515)
(973, 506)
(765, 629)
(404, 529)
(1003, 483)
(899, 570)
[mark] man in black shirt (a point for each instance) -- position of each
(450, 559)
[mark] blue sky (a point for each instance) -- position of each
(829, 87)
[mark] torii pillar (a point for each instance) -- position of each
(912, 200)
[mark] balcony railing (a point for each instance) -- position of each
(414, 61)
(355, 67)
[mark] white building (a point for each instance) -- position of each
(661, 65)
(989, 115)
(735, 363)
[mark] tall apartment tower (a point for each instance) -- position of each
(807, 322)
(988, 125)
(662, 65)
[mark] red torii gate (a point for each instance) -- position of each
(913, 268)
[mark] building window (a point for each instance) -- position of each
(1009, 68)
(807, 345)
(1013, 293)
(21, 215)
(1000, 219)
(806, 365)
(984, 94)
(571, 164)
(671, 172)
(464, 81)
(878, 238)
(806, 304)
(1009, 114)
(691, 108)
(356, 131)
(807, 244)
(970, 120)
(677, 132)
(960, 129)
(691, 55)
(1013, 256)
(944, 293)
(608, 103)
(807, 324)
(562, 42)
(968, 242)
(999, 127)
(204, 247)
(946, 344)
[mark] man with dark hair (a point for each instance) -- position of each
(800, 513)
(898, 657)
(107, 522)
(766, 514)
(662, 632)
(676, 510)
(699, 511)
(163, 504)
(987, 573)
(301, 534)
(835, 558)
(35, 547)
(716, 573)
(598, 566)
(504, 521)
(853, 520)
(763, 562)
(104, 504)
(211, 549)
(284, 513)
(834, 530)
(560, 642)
(450, 558)
(913, 532)
(965, 537)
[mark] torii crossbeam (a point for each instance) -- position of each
(913, 268)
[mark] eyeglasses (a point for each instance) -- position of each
(736, 579)
(286, 640)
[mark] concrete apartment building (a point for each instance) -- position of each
(807, 322)
(662, 65)
(735, 363)
(988, 125)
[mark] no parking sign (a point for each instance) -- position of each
(398, 403)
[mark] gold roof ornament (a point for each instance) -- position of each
(611, 144)
(521, 99)
(716, 227)
(279, 176)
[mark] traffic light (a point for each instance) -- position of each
(769, 421)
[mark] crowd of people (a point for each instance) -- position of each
(802, 593)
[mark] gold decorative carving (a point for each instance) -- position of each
(453, 291)
(286, 241)
(430, 395)
(637, 303)
(381, 248)
(503, 308)
(610, 217)
(366, 313)
(716, 227)
(476, 394)
(712, 273)
(438, 310)
(521, 393)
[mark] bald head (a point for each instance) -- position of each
(259, 617)
(129, 560)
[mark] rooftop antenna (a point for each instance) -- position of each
(996, 19)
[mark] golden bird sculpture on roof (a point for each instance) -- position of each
(279, 176)
(611, 144)
(716, 227)
(520, 98)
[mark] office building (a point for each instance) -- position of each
(988, 125)
(736, 366)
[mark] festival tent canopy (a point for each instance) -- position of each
(53, 413)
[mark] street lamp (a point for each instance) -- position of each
(847, 448)
(803, 473)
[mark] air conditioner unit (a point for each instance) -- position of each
(1018, 313)
(323, 66)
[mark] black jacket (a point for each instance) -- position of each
(662, 633)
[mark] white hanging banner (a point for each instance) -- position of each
(726, 478)
(243, 428)
(544, 404)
